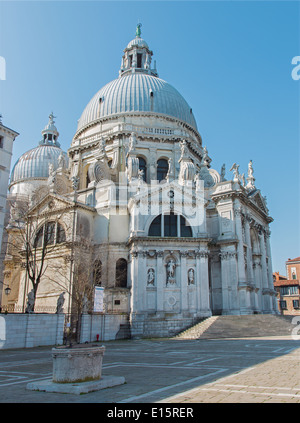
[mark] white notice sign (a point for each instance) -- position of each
(98, 299)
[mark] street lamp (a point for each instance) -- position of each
(7, 290)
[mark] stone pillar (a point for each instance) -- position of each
(240, 247)
(133, 274)
(229, 273)
(274, 304)
(264, 274)
(202, 282)
(258, 283)
(244, 291)
(137, 312)
(183, 277)
(250, 273)
(161, 279)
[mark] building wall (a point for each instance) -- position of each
(293, 268)
(7, 137)
(107, 326)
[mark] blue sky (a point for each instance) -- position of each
(231, 61)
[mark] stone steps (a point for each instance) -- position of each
(254, 325)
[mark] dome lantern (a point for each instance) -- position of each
(50, 133)
(137, 56)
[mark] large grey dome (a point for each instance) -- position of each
(137, 92)
(138, 89)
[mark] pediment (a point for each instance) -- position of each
(52, 203)
(259, 201)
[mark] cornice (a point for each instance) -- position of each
(138, 114)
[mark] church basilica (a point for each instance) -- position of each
(169, 239)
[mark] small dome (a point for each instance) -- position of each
(139, 42)
(35, 163)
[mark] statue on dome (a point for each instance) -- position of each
(138, 30)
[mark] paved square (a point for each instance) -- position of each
(170, 371)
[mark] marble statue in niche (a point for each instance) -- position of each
(151, 277)
(171, 268)
(191, 277)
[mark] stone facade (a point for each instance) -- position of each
(175, 240)
(7, 137)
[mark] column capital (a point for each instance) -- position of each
(227, 255)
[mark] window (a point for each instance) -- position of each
(283, 305)
(97, 273)
(38, 242)
(1, 142)
(185, 229)
(88, 180)
(289, 290)
(60, 234)
(139, 60)
(121, 273)
(171, 225)
(296, 303)
(143, 167)
(162, 169)
(49, 234)
(155, 228)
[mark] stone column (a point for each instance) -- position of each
(244, 291)
(264, 274)
(229, 273)
(137, 295)
(183, 277)
(240, 247)
(202, 282)
(250, 273)
(161, 279)
(258, 283)
(274, 304)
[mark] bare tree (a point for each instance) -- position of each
(33, 235)
(85, 272)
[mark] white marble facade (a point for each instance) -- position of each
(195, 241)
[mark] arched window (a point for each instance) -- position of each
(87, 181)
(155, 228)
(121, 273)
(170, 225)
(162, 169)
(50, 233)
(60, 234)
(97, 273)
(143, 167)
